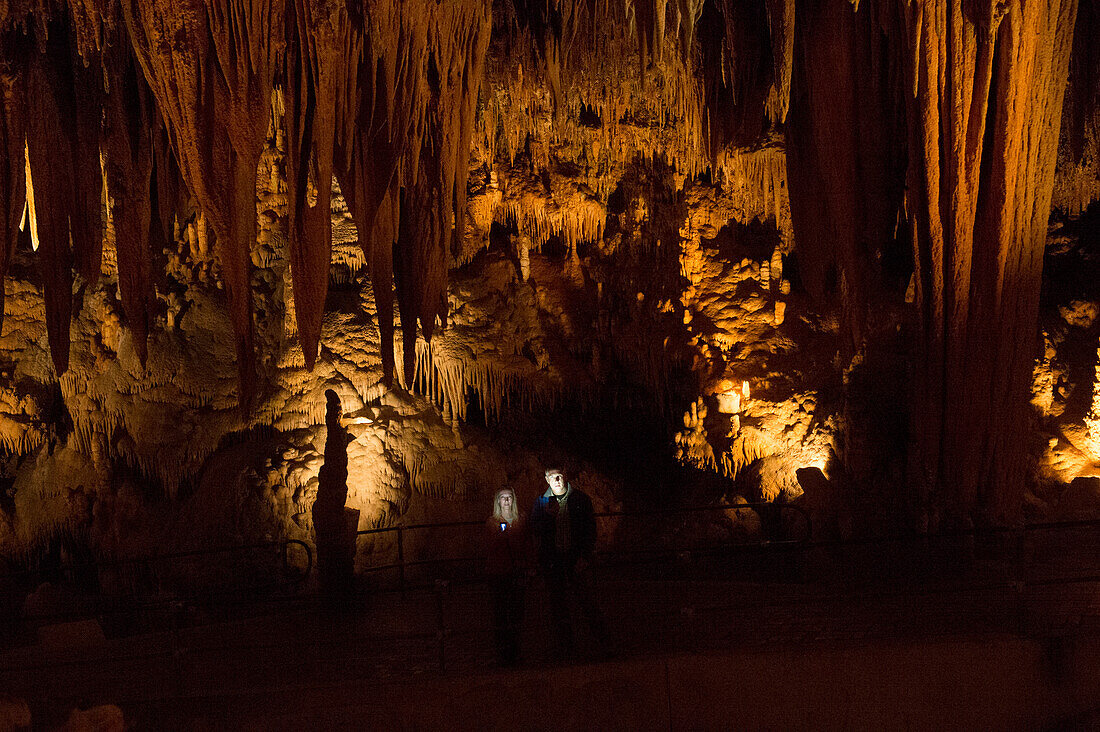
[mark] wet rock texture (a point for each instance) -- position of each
(792, 235)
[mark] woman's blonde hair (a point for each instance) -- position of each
(498, 513)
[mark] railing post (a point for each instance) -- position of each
(400, 560)
(1020, 581)
(441, 633)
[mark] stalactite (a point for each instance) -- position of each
(649, 18)
(211, 67)
(446, 372)
(582, 221)
(387, 55)
(781, 24)
(86, 219)
(600, 65)
(12, 157)
(168, 188)
(319, 36)
(49, 99)
(983, 127)
(413, 128)
(128, 135)
(737, 72)
(844, 155)
(688, 12)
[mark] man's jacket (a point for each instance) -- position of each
(574, 540)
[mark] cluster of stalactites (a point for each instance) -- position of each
(170, 94)
(58, 123)
(718, 71)
(1077, 184)
(402, 160)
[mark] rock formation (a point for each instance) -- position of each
(213, 211)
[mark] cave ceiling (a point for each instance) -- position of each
(936, 133)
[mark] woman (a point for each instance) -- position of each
(507, 553)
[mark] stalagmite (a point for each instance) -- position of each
(523, 252)
(776, 268)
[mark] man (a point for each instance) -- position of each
(564, 525)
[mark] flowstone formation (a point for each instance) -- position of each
(794, 238)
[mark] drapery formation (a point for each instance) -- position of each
(987, 82)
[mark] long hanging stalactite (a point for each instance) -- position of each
(12, 156)
(50, 155)
(315, 91)
(409, 126)
(211, 67)
(130, 126)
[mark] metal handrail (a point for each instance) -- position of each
(147, 564)
(111, 563)
(758, 507)
(445, 633)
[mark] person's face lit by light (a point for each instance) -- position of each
(557, 482)
(507, 502)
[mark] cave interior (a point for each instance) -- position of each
(832, 254)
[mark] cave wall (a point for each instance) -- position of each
(706, 214)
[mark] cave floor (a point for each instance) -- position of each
(294, 655)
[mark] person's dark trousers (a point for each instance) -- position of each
(563, 583)
(507, 598)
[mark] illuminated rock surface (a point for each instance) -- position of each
(770, 233)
